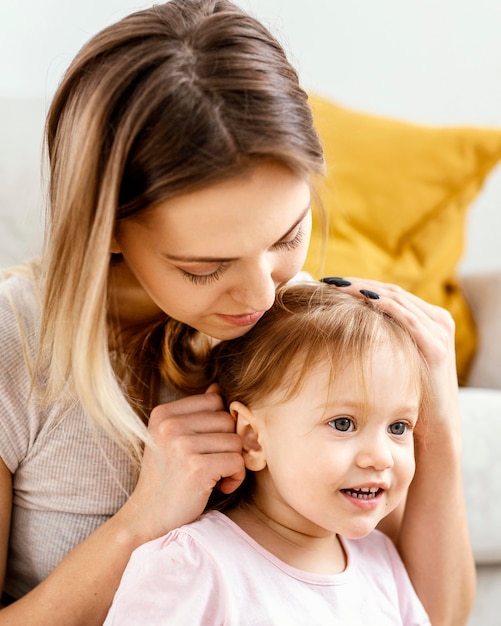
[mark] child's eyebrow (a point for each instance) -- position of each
(210, 259)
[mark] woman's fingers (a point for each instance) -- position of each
(432, 326)
(198, 425)
(400, 295)
(194, 449)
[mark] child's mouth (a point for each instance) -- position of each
(364, 493)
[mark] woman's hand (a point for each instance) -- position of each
(195, 448)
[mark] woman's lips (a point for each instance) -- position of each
(248, 319)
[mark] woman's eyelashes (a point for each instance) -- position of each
(205, 279)
(291, 244)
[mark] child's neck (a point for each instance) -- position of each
(319, 554)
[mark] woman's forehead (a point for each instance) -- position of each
(267, 205)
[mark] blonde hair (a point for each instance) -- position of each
(167, 100)
(309, 324)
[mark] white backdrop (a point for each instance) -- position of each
(430, 61)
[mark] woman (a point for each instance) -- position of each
(181, 153)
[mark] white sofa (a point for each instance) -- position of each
(21, 123)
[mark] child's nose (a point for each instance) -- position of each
(375, 452)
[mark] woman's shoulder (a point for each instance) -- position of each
(20, 281)
(19, 305)
(19, 324)
(19, 331)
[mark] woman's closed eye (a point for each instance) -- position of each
(291, 244)
(205, 278)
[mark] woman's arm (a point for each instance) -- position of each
(5, 513)
(194, 447)
(434, 541)
(433, 537)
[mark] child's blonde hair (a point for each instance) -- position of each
(168, 100)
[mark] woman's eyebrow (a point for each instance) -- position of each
(209, 259)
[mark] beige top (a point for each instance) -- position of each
(67, 479)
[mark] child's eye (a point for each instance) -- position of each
(292, 243)
(398, 428)
(343, 424)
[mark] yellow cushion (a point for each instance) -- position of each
(397, 196)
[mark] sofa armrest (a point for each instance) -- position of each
(481, 421)
(483, 292)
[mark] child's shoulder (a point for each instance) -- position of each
(208, 530)
(211, 528)
(207, 542)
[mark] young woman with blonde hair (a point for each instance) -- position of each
(182, 152)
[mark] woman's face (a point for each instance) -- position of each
(213, 258)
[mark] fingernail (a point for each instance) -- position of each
(369, 294)
(336, 281)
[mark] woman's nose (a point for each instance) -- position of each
(256, 288)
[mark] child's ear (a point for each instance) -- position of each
(252, 451)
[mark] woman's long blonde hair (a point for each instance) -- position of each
(309, 324)
(165, 101)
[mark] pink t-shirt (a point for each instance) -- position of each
(211, 573)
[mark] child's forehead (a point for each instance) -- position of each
(332, 354)
(359, 366)
(352, 389)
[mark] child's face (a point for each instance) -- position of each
(213, 258)
(339, 459)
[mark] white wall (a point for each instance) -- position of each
(434, 60)
(430, 61)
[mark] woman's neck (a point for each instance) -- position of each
(129, 305)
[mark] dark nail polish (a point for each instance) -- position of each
(336, 281)
(372, 295)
